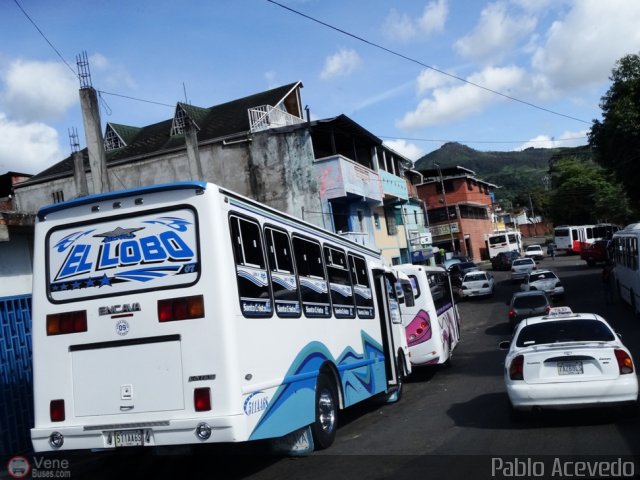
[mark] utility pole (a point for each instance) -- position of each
(446, 208)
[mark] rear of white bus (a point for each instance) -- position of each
(124, 343)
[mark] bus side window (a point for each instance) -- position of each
(362, 287)
(313, 283)
(415, 285)
(251, 273)
(407, 289)
(282, 274)
(440, 291)
(339, 283)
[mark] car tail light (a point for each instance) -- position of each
(516, 368)
(547, 309)
(183, 308)
(67, 322)
(202, 399)
(512, 313)
(625, 364)
(56, 410)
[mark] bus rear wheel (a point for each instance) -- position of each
(326, 422)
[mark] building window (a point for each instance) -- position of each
(376, 221)
(179, 122)
(58, 196)
(469, 185)
(111, 140)
(470, 211)
(448, 186)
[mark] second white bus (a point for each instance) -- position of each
(625, 252)
(184, 314)
(430, 315)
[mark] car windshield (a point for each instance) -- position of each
(473, 277)
(559, 331)
(467, 265)
(530, 301)
(534, 277)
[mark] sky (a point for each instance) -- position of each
(494, 75)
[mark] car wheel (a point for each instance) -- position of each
(326, 422)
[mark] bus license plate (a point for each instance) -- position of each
(570, 368)
(129, 438)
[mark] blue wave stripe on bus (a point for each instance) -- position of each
(283, 283)
(146, 274)
(293, 404)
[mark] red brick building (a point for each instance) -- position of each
(459, 208)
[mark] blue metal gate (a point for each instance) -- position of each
(16, 376)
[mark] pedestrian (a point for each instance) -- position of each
(551, 251)
(607, 279)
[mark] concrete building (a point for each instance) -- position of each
(330, 172)
(459, 209)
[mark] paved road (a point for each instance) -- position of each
(451, 422)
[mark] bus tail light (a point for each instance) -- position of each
(56, 410)
(182, 308)
(625, 364)
(516, 368)
(67, 322)
(202, 399)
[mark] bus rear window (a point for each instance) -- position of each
(122, 255)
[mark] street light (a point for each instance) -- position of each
(446, 208)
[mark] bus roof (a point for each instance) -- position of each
(56, 207)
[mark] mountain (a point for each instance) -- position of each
(486, 163)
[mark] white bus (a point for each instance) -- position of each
(570, 239)
(627, 264)
(429, 314)
(184, 313)
(503, 241)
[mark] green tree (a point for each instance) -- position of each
(583, 193)
(616, 139)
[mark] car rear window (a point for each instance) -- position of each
(472, 277)
(523, 261)
(559, 331)
(530, 301)
(541, 276)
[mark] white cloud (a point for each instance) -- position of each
(340, 64)
(402, 27)
(448, 104)
(39, 90)
(108, 74)
(581, 48)
(496, 34)
(430, 80)
(27, 147)
(409, 150)
(566, 139)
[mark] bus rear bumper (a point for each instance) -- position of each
(147, 434)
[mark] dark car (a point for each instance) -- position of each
(531, 303)
(502, 261)
(457, 271)
(595, 253)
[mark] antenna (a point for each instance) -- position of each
(184, 89)
(82, 61)
(73, 140)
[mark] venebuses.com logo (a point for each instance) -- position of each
(39, 467)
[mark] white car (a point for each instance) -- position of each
(568, 360)
(535, 252)
(544, 280)
(476, 284)
(521, 267)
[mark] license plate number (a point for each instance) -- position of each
(129, 438)
(570, 368)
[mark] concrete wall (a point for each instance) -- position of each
(15, 265)
(275, 169)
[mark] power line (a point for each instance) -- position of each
(405, 57)
(481, 141)
(45, 37)
(136, 99)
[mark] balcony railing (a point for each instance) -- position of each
(266, 116)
